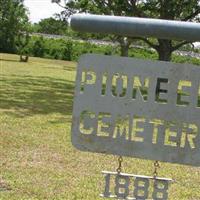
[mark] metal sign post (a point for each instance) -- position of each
(137, 108)
(133, 26)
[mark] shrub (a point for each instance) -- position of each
(38, 48)
(71, 50)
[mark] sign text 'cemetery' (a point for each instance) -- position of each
(137, 108)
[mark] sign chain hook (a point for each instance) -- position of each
(119, 169)
(156, 167)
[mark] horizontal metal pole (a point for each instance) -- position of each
(136, 27)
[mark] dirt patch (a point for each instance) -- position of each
(3, 185)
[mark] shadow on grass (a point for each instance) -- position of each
(68, 68)
(9, 60)
(28, 95)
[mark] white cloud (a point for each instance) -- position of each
(40, 9)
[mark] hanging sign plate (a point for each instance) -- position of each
(120, 186)
(137, 108)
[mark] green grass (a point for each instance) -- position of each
(37, 159)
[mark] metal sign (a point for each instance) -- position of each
(137, 108)
(145, 187)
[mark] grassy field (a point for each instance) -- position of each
(37, 159)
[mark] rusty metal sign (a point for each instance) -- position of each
(137, 108)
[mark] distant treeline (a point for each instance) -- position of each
(71, 50)
(62, 49)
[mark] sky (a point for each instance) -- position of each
(40, 9)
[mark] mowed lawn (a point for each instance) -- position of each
(37, 159)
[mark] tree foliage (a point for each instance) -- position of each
(182, 10)
(13, 22)
(51, 26)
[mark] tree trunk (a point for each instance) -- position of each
(164, 55)
(24, 58)
(124, 44)
(164, 49)
(124, 51)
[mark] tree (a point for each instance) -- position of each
(39, 47)
(13, 22)
(22, 46)
(183, 10)
(52, 26)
